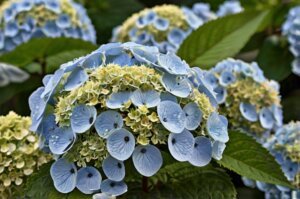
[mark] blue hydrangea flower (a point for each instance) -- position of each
(11, 74)
(238, 88)
(284, 146)
(122, 102)
(291, 29)
(25, 19)
(229, 7)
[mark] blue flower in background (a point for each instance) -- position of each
(291, 29)
(122, 102)
(25, 19)
(229, 7)
(11, 74)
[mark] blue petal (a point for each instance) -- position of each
(278, 115)
(103, 196)
(168, 97)
(63, 21)
(181, 145)
(82, 118)
(149, 98)
(113, 188)
(24, 6)
(147, 159)
(108, 122)
(13, 73)
(193, 20)
(211, 79)
(266, 118)
(117, 100)
(11, 29)
(176, 36)
(51, 30)
(217, 127)
(221, 94)
(88, 180)
(120, 144)
(63, 174)
(227, 78)
(37, 107)
(53, 5)
(4, 80)
(144, 54)
(193, 116)
(218, 149)
(173, 64)
(77, 78)
(248, 182)
(178, 86)
(142, 38)
(113, 169)
(248, 111)
(93, 60)
(61, 140)
(171, 116)
(202, 152)
(161, 24)
(52, 84)
(150, 17)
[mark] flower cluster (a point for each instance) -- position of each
(21, 20)
(245, 96)
(19, 154)
(122, 101)
(291, 29)
(285, 147)
(163, 26)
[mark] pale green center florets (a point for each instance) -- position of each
(19, 154)
(142, 121)
(247, 90)
(174, 14)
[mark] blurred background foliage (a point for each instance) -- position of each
(267, 47)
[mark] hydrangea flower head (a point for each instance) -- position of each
(229, 7)
(285, 147)
(119, 103)
(164, 26)
(291, 29)
(246, 97)
(21, 20)
(19, 153)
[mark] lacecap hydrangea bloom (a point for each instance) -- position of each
(19, 153)
(164, 26)
(285, 147)
(21, 20)
(120, 102)
(291, 29)
(249, 100)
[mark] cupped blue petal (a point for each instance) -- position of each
(202, 152)
(221, 94)
(227, 77)
(113, 188)
(278, 115)
(171, 116)
(82, 118)
(11, 29)
(266, 118)
(218, 149)
(114, 169)
(217, 127)
(50, 29)
(161, 24)
(120, 144)
(52, 84)
(193, 20)
(144, 54)
(108, 122)
(77, 78)
(64, 174)
(173, 64)
(168, 97)
(37, 106)
(93, 60)
(147, 159)
(177, 85)
(88, 180)
(63, 21)
(53, 5)
(181, 145)
(248, 111)
(149, 98)
(193, 116)
(117, 100)
(211, 79)
(61, 140)
(176, 36)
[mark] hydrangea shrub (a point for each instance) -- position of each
(285, 147)
(249, 100)
(291, 29)
(123, 101)
(21, 20)
(19, 153)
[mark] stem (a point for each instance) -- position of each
(145, 184)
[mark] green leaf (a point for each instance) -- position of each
(220, 38)
(37, 50)
(248, 158)
(184, 181)
(275, 59)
